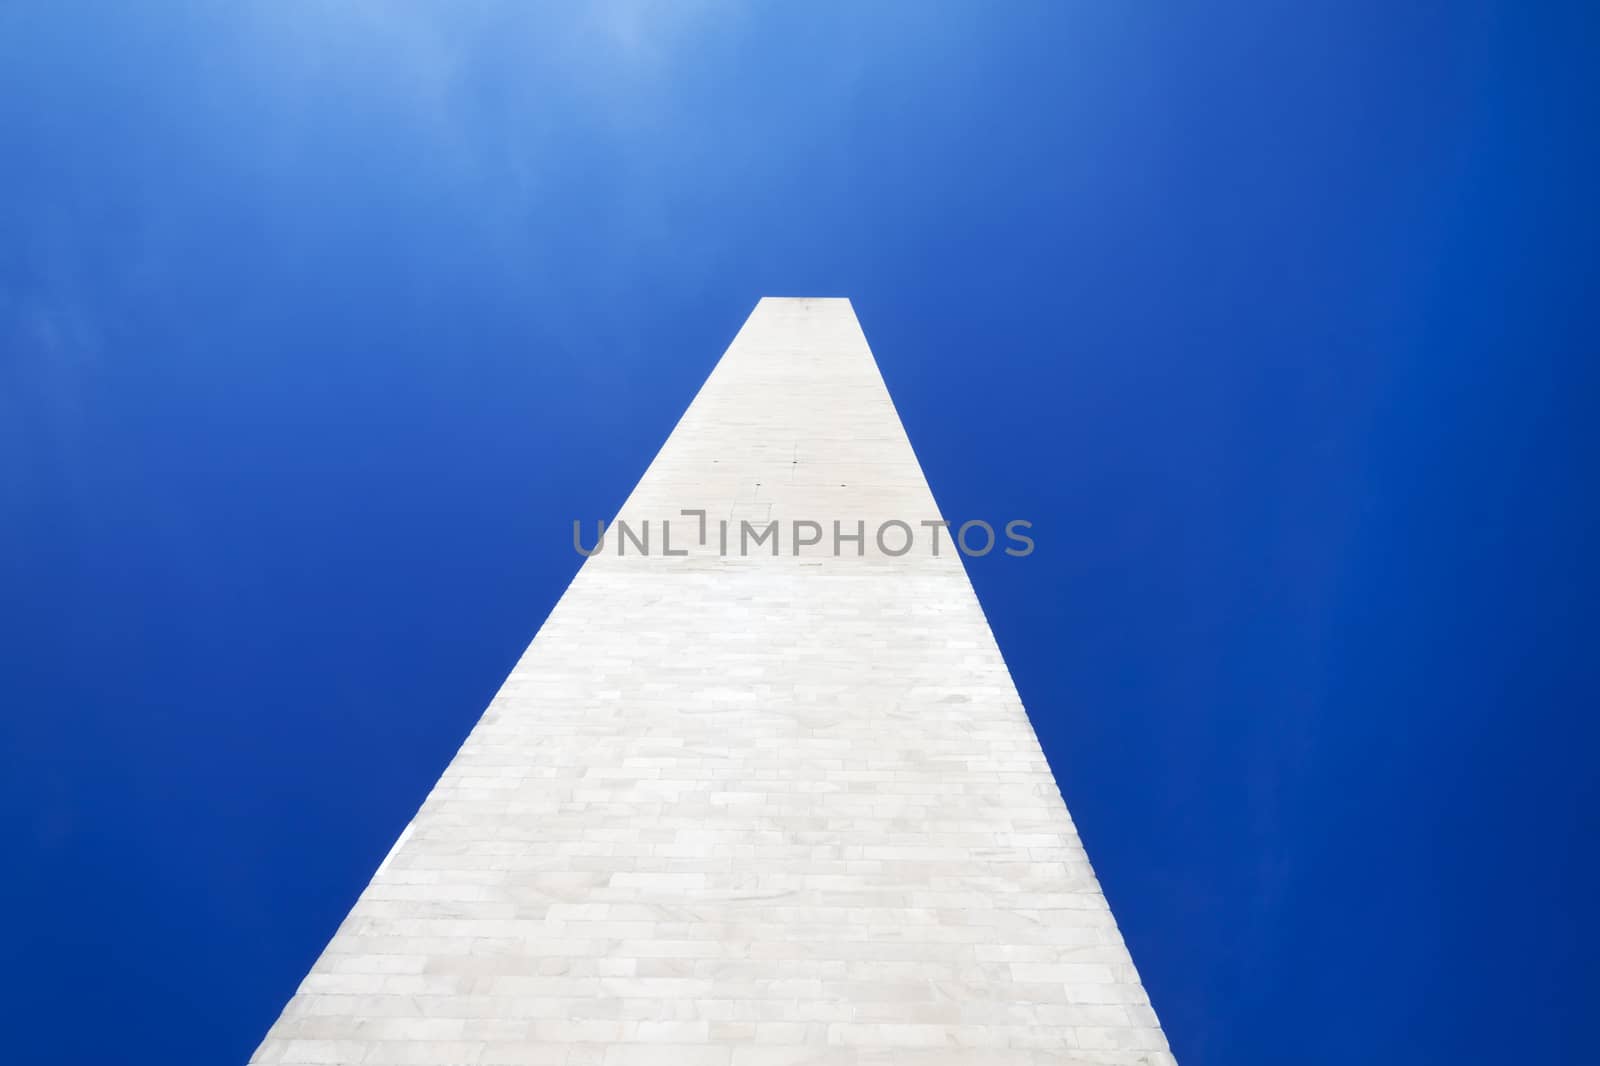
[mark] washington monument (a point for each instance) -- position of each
(745, 808)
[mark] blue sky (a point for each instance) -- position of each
(320, 322)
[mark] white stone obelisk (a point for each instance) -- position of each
(745, 810)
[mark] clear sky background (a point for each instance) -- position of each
(320, 322)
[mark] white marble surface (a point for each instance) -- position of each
(744, 811)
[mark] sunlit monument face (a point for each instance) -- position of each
(760, 792)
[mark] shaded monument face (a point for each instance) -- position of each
(745, 808)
